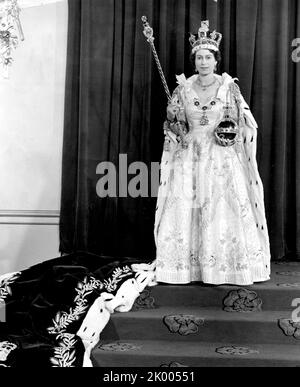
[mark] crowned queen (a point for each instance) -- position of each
(210, 222)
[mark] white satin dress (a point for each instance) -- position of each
(210, 221)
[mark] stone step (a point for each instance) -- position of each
(206, 325)
(158, 353)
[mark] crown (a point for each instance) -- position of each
(206, 39)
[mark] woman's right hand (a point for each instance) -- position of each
(172, 110)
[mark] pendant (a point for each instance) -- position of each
(204, 120)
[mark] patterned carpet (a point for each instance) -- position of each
(200, 325)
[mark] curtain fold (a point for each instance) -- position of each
(294, 175)
(115, 105)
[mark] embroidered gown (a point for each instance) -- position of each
(210, 223)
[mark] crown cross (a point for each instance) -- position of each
(204, 29)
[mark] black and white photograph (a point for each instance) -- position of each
(150, 186)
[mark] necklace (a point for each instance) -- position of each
(204, 87)
(204, 119)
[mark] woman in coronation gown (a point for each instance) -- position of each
(210, 222)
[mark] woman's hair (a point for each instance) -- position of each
(216, 54)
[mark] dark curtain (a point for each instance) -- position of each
(115, 105)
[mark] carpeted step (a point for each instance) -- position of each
(154, 353)
(206, 325)
(276, 294)
(273, 297)
(192, 325)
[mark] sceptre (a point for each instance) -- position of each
(178, 127)
(148, 32)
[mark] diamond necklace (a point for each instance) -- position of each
(204, 87)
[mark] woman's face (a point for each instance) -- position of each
(205, 62)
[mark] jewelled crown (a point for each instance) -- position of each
(206, 40)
